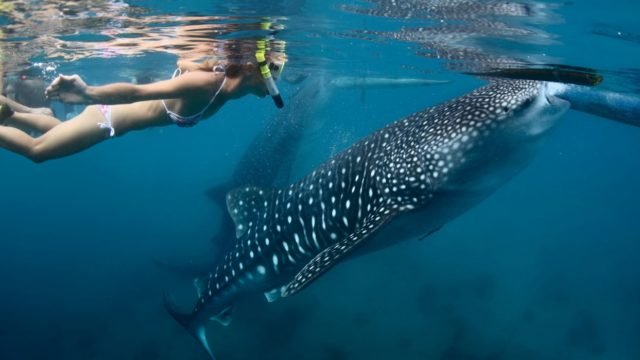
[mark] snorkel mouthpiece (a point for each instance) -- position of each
(273, 91)
(266, 75)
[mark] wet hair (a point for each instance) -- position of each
(238, 56)
(231, 70)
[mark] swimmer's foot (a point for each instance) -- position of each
(5, 113)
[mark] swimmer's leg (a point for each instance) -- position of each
(66, 138)
(27, 122)
(16, 141)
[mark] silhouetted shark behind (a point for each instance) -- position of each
(399, 183)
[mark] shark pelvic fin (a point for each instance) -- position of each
(224, 317)
(246, 205)
(333, 254)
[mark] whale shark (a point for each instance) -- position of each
(401, 182)
(269, 158)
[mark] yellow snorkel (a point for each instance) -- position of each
(261, 48)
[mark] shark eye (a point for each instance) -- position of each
(524, 104)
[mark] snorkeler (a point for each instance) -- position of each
(197, 91)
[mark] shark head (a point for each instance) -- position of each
(481, 139)
(535, 112)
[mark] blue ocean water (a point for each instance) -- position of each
(546, 268)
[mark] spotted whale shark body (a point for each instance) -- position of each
(269, 158)
(401, 182)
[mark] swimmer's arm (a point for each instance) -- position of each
(72, 89)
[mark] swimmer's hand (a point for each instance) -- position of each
(68, 89)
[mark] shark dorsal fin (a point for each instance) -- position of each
(246, 204)
(333, 254)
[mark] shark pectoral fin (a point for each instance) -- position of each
(246, 204)
(273, 295)
(333, 254)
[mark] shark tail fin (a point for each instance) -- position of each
(198, 331)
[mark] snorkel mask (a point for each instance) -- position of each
(268, 76)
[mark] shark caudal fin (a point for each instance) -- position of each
(187, 321)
